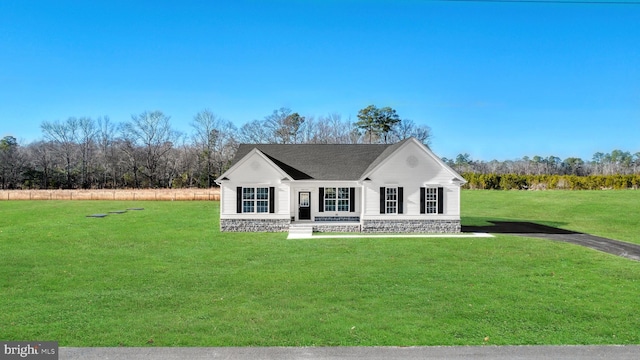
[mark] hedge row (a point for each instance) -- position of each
(550, 182)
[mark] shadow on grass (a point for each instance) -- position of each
(530, 229)
(515, 227)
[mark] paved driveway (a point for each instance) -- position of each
(615, 247)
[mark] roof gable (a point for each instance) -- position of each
(318, 161)
(390, 156)
(382, 157)
(347, 162)
(245, 163)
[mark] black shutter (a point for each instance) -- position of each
(272, 200)
(321, 200)
(400, 200)
(382, 200)
(423, 200)
(440, 200)
(239, 199)
(352, 199)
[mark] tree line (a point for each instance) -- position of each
(613, 163)
(615, 170)
(147, 152)
(510, 181)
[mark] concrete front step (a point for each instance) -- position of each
(300, 231)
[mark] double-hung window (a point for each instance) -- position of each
(255, 200)
(343, 199)
(431, 200)
(337, 199)
(391, 200)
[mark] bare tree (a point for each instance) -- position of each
(284, 126)
(407, 128)
(169, 168)
(153, 133)
(318, 131)
(333, 130)
(186, 164)
(213, 136)
(254, 132)
(40, 165)
(65, 136)
(87, 132)
(206, 124)
(132, 159)
(106, 138)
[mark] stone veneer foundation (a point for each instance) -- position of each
(328, 227)
(368, 226)
(411, 226)
(254, 225)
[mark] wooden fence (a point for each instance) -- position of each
(212, 194)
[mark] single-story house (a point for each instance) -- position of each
(402, 187)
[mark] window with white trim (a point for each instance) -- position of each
(336, 199)
(391, 200)
(431, 200)
(255, 200)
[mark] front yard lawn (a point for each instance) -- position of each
(165, 276)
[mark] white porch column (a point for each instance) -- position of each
(362, 202)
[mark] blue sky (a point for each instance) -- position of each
(495, 80)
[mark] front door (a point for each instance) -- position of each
(304, 205)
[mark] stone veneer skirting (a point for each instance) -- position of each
(368, 226)
(411, 226)
(255, 225)
(329, 227)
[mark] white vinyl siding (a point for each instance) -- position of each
(399, 172)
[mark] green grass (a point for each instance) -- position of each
(613, 214)
(168, 275)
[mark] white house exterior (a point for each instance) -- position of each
(402, 187)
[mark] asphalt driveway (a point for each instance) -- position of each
(528, 229)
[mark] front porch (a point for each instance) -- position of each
(430, 226)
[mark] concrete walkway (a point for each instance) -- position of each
(348, 236)
(527, 229)
(358, 353)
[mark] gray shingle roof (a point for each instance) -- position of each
(322, 161)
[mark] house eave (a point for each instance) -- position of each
(458, 181)
(225, 175)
